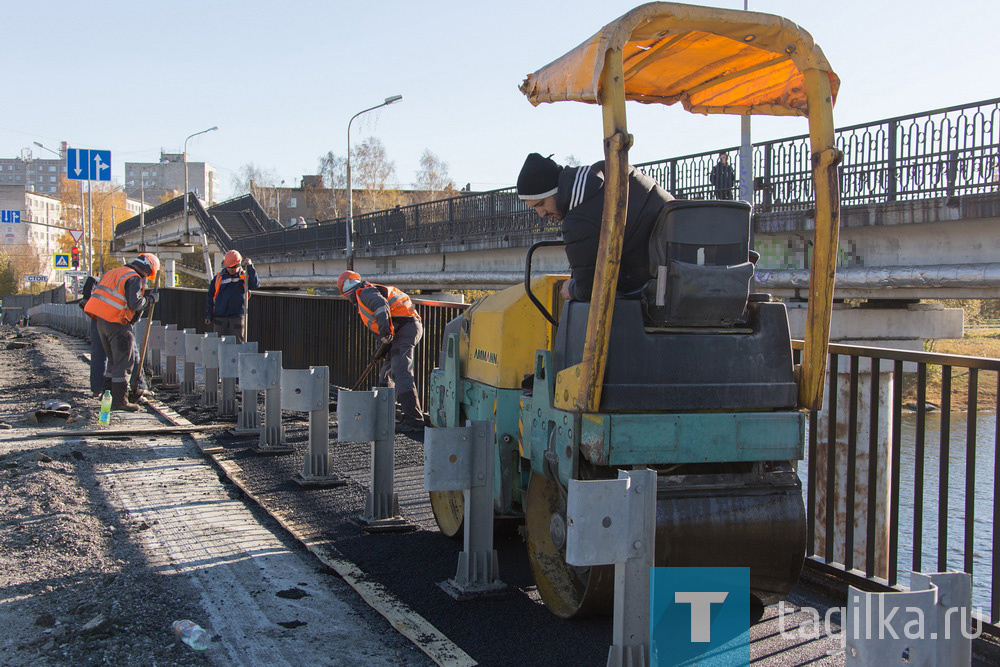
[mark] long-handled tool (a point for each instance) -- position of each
(381, 352)
(246, 306)
(145, 339)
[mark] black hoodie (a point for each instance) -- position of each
(581, 201)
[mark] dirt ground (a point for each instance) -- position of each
(88, 575)
(977, 343)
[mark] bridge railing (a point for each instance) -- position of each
(933, 489)
(315, 331)
(947, 152)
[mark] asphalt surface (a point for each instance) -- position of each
(511, 628)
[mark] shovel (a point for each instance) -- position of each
(379, 353)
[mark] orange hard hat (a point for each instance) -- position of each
(232, 258)
(348, 282)
(151, 261)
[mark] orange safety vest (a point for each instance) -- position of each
(224, 275)
(107, 301)
(399, 306)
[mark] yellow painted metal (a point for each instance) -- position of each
(588, 377)
(710, 60)
(506, 331)
(449, 511)
(825, 159)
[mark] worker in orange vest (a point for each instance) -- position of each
(391, 316)
(224, 303)
(114, 303)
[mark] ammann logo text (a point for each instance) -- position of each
(488, 357)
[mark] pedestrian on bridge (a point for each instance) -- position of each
(390, 314)
(114, 303)
(224, 303)
(575, 196)
(722, 177)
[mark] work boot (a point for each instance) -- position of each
(118, 400)
(106, 386)
(413, 419)
(137, 395)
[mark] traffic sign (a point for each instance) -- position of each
(75, 274)
(60, 260)
(88, 164)
(77, 234)
(36, 279)
(8, 217)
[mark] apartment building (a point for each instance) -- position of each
(153, 182)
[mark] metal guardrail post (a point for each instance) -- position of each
(614, 521)
(879, 627)
(309, 391)
(249, 419)
(369, 416)
(192, 354)
(210, 360)
(174, 349)
(461, 458)
(157, 341)
(229, 371)
(262, 372)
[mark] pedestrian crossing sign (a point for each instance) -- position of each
(60, 260)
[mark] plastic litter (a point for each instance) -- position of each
(192, 634)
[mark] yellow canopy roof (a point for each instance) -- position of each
(711, 60)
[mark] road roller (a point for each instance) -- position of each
(693, 376)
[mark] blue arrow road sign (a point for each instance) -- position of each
(86, 164)
(100, 165)
(60, 260)
(10, 217)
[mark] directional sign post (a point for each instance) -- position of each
(9, 217)
(60, 260)
(87, 164)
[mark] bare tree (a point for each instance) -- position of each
(571, 161)
(330, 201)
(372, 174)
(250, 175)
(433, 181)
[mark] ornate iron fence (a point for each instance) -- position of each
(948, 152)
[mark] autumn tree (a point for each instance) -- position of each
(15, 265)
(9, 281)
(433, 181)
(106, 204)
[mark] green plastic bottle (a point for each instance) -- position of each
(105, 417)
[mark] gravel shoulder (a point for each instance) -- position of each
(104, 542)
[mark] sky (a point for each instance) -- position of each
(281, 80)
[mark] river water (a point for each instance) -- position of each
(956, 511)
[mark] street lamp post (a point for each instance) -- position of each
(349, 230)
(187, 228)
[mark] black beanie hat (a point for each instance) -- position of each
(539, 178)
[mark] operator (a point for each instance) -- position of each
(114, 302)
(575, 196)
(391, 316)
(224, 302)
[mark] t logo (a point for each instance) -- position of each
(701, 612)
(698, 615)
